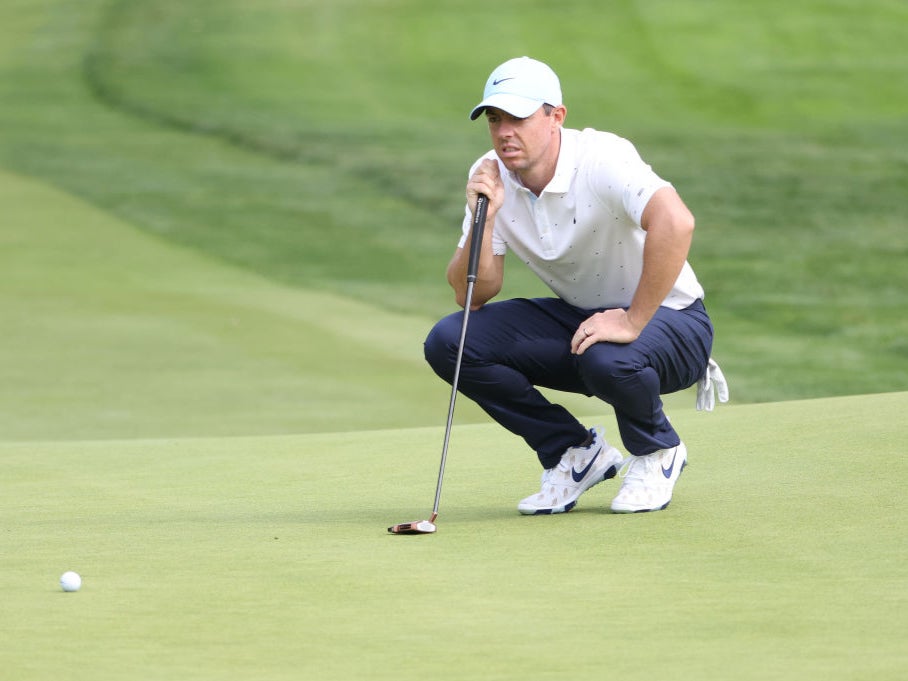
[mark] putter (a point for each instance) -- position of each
(479, 222)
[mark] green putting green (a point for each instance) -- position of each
(781, 556)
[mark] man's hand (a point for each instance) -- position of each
(613, 326)
(486, 180)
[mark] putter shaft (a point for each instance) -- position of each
(479, 221)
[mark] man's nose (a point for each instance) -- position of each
(505, 129)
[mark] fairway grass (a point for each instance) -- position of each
(110, 332)
(782, 556)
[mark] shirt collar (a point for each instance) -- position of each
(564, 170)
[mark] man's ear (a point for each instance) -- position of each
(559, 113)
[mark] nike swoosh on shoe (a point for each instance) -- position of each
(580, 475)
(667, 472)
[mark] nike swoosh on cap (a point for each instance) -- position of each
(501, 80)
(578, 476)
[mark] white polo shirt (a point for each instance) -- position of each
(582, 235)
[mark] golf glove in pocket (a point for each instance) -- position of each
(709, 387)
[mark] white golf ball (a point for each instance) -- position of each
(70, 581)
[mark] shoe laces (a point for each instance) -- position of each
(562, 466)
(637, 468)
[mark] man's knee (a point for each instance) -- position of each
(607, 361)
(440, 347)
(614, 373)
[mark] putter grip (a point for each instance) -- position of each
(479, 223)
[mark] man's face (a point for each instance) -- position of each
(526, 145)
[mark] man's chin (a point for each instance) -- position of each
(512, 163)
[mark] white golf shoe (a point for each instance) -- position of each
(649, 480)
(579, 469)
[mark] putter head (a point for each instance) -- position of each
(416, 527)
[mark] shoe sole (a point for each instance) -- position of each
(652, 510)
(644, 510)
(610, 473)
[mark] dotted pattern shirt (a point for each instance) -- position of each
(582, 235)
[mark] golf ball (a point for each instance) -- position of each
(70, 581)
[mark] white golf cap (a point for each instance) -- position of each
(519, 87)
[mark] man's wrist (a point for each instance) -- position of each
(637, 321)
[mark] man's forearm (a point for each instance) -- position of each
(489, 276)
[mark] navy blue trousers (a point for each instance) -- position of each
(514, 346)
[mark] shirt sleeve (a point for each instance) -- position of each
(624, 180)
